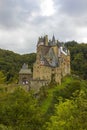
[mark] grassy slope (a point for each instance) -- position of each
(47, 102)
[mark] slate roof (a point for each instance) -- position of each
(25, 71)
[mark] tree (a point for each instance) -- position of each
(71, 114)
(78, 58)
(20, 111)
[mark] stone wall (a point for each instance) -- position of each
(65, 65)
(24, 78)
(35, 85)
(41, 72)
(58, 75)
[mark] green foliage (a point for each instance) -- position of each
(70, 115)
(11, 63)
(69, 89)
(65, 104)
(78, 58)
(29, 58)
(61, 107)
(2, 127)
(2, 78)
(19, 110)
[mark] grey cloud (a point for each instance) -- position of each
(73, 7)
(14, 13)
(21, 23)
(74, 11)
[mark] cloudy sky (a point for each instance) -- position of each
(23, 21)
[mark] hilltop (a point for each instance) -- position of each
(10, 62)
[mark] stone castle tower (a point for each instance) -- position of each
(52, 61)
(25, 75)
(52, 64)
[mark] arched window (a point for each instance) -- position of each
(24, 80)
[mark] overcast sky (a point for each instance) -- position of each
(23, 21)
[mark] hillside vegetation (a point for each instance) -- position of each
(55, 107)
(78, 58)
(11, 63)
(62, 107)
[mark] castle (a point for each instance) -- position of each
(52, 64)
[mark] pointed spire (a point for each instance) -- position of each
(53, 38)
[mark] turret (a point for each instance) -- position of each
(53, 40)
(46, 40)
(40, 41)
